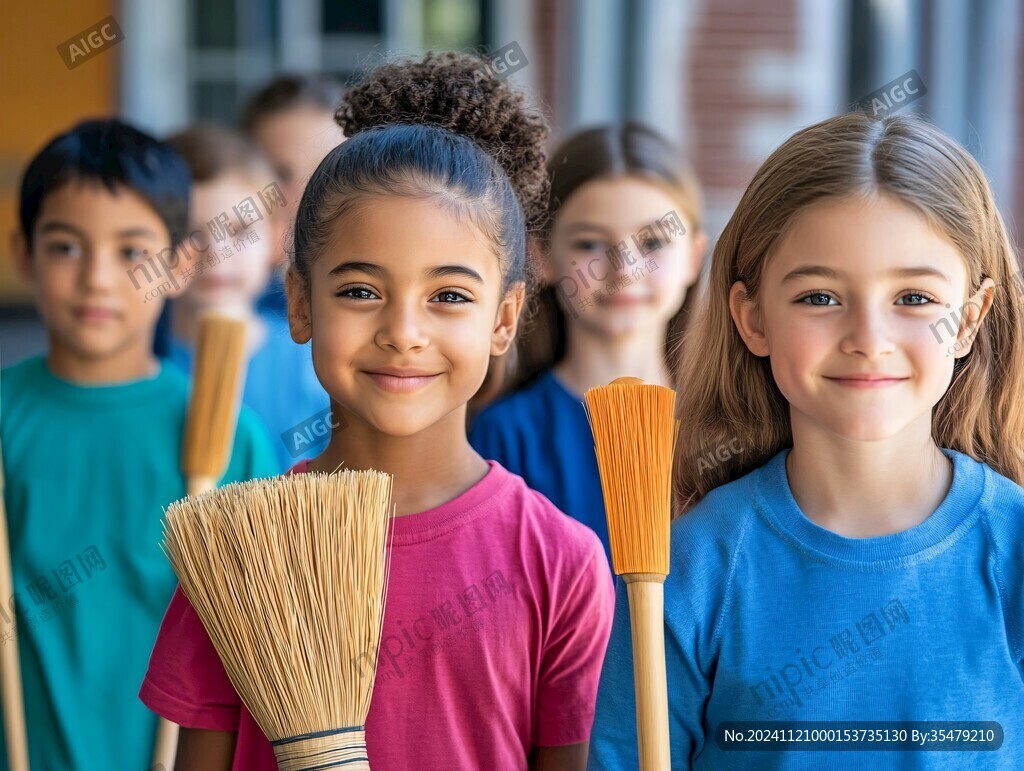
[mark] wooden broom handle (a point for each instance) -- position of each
(647, 620)
(10, 669)
(166, 747)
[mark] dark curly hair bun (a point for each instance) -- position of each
(458, 92)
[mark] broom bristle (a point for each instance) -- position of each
(212, 409)
(634, 437)
(288, 575)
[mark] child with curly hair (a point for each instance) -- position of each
(859, 557)
(409, 274)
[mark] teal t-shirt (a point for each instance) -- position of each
(771, 618)
(88, 470)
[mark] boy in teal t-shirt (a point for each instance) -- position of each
(91, 436)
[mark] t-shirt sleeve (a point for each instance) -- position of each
(571, 662)
(1008, 530)
(186, 682)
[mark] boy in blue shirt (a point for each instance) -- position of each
(91, 435)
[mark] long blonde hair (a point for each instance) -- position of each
(729, 398)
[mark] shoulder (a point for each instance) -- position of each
(21, 380)
(722, 515)
(1001, 501)
(706, 542)
(250, 425)
(253, 447)
(26, 370)
(544, 525)
(174, 377)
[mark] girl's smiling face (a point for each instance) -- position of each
(853, 310)
(407, 308)
(598, 217)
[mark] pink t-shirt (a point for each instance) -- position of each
(498, 612)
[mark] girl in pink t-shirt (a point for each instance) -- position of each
(409, 273)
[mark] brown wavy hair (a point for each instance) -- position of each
(730, 394)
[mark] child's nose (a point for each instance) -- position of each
(868, 333)
(402, 327)
(99, 271)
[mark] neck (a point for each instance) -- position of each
(134, 362)
(429, 468)
(186, 318)
(866, 489)
(593, 360)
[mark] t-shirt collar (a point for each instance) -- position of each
(440, 520)
(954, 516)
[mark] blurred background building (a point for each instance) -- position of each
(728, 79)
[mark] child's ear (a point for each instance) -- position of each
(297, 292)
(972, 314)
(747, 319)
(507, 320)
(20, 255)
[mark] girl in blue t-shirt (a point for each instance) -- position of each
(849, 462)
(624, 247)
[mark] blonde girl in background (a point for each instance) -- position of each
(624, 248)
(858, 557)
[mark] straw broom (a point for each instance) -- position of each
(209, 434)
(288, 575)
(634, 437)
(10, 668)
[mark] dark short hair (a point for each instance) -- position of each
(289, 91)
(114, 153)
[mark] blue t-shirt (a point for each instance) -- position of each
(88, 471)
(281, 387)
(771, 617)
(541, 433)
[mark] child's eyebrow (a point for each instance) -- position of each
(581, 226)
(821, 271)
(60, 227)
(66, 227)
(379, 271)
(576, 227)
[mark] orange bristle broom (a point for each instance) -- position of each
(10, 668)
(635, 432)
(209, 434)
(289, 577)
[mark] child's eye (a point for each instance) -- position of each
(364, 293)
(350, 290)
(63, 249)
(815, 298)
(650, 244)
(920, 298)
(132, 254)
(587, 245)
(453, 293)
